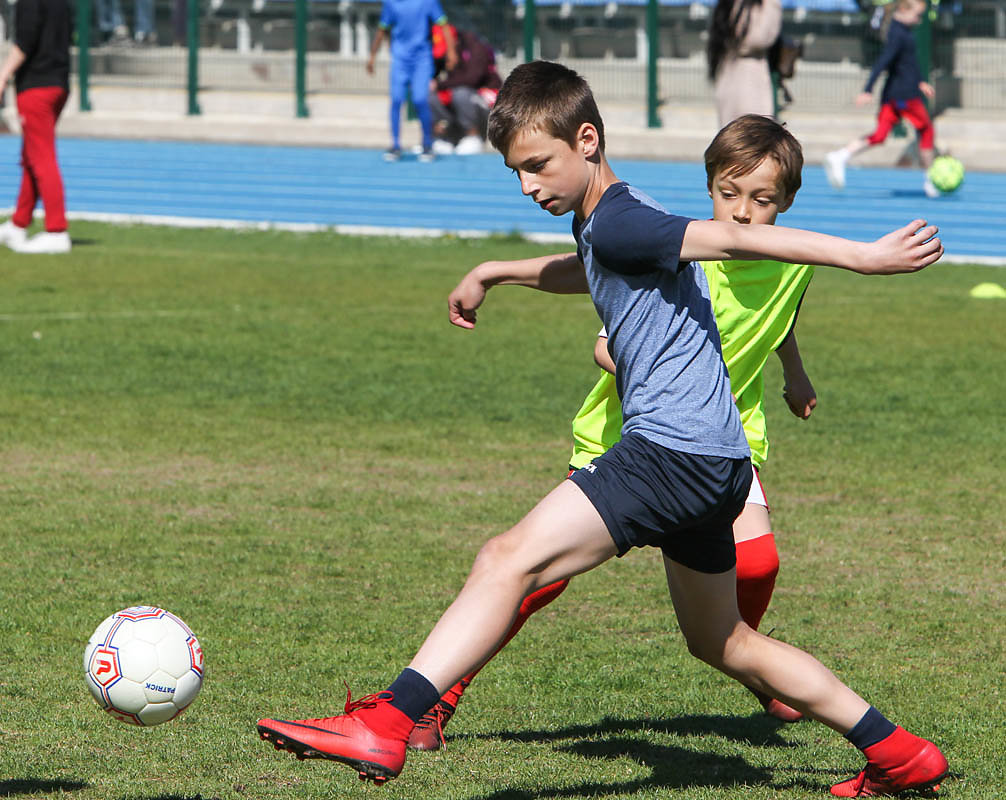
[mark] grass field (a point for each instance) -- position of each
(280, 438)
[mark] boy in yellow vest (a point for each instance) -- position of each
(753, 172)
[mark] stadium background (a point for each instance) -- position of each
(273, 73)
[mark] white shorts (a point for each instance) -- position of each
(756, 495)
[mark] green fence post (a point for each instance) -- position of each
(300, 36)
(84, 52)
(193, 42)
(924, 43)
(530, 21)
(652, 51)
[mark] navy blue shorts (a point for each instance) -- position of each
(683, 503)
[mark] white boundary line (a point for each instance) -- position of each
(377, 230)
(301, 227)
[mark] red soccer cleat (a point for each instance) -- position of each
(344, 738)
(428, 734)
(777, 708)
(922, 771)
(429, 731)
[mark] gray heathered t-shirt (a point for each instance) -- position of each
(661, 331)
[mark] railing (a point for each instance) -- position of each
(639, 51)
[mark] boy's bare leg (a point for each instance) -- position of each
(707, 613)
(562, 536)
(706, 607)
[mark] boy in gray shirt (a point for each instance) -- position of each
(677, 478)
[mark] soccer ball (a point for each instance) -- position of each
(143, 665)
(946, 173)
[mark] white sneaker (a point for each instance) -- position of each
(442, 147)
(469, 146)
(45, 242)
(11, 235)
(931, 191)
(834, 168)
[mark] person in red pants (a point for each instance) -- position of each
(39, 63)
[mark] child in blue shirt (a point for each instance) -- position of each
(678, 477)
(901, 98)
(409, 23)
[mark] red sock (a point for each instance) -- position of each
(757, 566)
(894, 750)
(533, 602)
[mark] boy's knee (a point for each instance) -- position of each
(494, 554)
(718, 649)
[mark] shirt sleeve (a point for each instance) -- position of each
(387, 20)
(437, 15)
(632, 238)
(892, 45)
(28, 26)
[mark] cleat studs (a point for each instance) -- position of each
(380, 780)
(363, 776)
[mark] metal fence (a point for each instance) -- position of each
(636, 51)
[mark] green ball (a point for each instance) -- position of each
(946, 173)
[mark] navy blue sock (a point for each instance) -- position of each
(873, 727)
(413, 694)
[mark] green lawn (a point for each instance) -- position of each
(280, 438)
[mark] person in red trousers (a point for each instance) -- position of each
(39, 63)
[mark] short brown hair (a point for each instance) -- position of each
(545, 96)
(747, 141)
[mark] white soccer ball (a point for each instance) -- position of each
(143, 665)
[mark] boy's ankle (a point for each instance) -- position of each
(383, 718)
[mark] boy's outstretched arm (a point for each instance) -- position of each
(797, 390)
(559, 274)
(907, 249)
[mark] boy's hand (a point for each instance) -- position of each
(864, 98)
(462, 302)
(927, 89)
(907, 249)
(799, 394)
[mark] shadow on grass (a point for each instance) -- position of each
(671, 767)
(24, 786)
(759, 730)
(175, 797)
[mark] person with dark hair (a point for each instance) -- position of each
(740, 35)
(39, 63)
(462, 97)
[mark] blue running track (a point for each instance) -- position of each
(355, 190)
